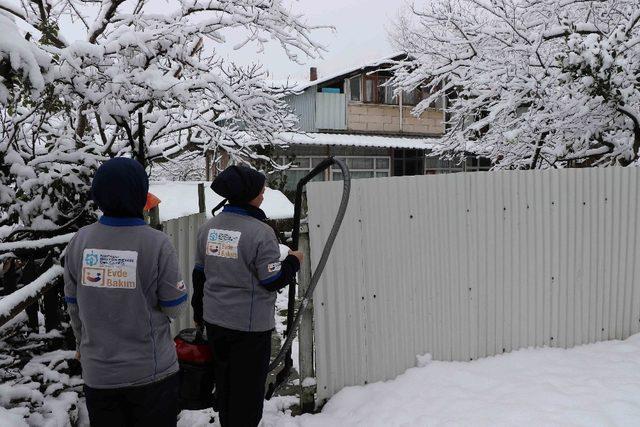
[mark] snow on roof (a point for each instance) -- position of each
(306, 84)
(353, 140)
(180, 198)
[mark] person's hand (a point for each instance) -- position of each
(298, 255)
(78, 355)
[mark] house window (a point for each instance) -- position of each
(408, 162)
(354, 86)
(376, 93)
(414, 97)
(299, 168)
(435, 166)
(363, 167)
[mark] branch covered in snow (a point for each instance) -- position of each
(140, 83)
(17, 301)
(36, 244)
(544, 84)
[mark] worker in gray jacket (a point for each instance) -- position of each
(235, 279)
(122, 284)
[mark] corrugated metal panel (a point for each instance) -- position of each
(464, 266)
(331, 111)
(183, 232)
(304, 106)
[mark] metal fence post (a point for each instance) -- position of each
(305, 335)
(202, 206)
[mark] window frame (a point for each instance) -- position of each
(379, 93)
(375, 170)
(360, 88)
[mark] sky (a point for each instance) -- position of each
(361, 35)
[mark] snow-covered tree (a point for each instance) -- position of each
(145, 80)
(189, 166)
(529, 83)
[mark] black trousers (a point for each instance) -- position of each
(153, 404)
(240, 360)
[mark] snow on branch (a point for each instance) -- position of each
(36, 244)
(15, 302)
(140, 82)
(542, 84)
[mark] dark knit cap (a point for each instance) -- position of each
(120, 188)
(239, 184)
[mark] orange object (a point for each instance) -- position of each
(152, 202)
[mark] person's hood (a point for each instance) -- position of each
(120, 188)
(238, 184)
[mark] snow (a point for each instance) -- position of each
(284, 251)
(22, 55)
(590, 385)
(10, 301)
(33, 244)
(181, 199)
(298, 85)
(353, 140)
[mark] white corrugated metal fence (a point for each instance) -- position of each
(331, 111)
(464, 266)
(183, 232)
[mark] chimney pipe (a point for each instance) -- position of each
(313, 74)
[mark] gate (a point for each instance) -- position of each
(182, 233)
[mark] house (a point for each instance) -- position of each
(352, 115)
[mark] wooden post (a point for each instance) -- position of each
(29, 274)
(154, 218)
(305, 334)
(202, 206)
(207, 159)
(10, 277)
(51, 304)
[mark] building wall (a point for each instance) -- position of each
(330, 111)
(378, 118)
(304, 106)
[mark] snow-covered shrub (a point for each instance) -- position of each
(140, 83)
(541, 84)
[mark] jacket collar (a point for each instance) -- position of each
(247, 210)
(115, 221)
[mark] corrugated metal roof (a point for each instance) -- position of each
(302, 85)
(356, 140)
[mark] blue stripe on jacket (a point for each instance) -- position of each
(173, 302)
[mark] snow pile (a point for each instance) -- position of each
(42, 392)
(180, 198)
(591, 385)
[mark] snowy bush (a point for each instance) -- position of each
(541, 84)
(140, 83)
(143, 81)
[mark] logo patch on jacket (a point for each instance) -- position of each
(223, 243)
(274, 266)
(102, 268)
(181, 286)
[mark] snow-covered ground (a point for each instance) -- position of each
(591, 385)
(180, 198)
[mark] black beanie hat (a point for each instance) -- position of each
(238, 184)
(120, 188)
